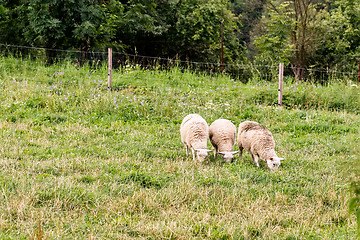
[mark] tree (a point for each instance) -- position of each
(340, 47)
(293, 31)
(249, 13)
(274, 45)
(197, 27)
(63, 24)
(186, 29)
(11, 23)
(66, 24)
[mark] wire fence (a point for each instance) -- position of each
(243, 72)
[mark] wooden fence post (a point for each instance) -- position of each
(109, 67)
(281, 77)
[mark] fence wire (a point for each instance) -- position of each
(243, 72)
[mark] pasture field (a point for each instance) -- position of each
(80, 162)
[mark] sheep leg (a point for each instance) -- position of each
(240, 151)
(215, 152)
(187, 149)
(255, 159)
(193, 153)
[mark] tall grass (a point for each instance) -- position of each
(354, 170)
(79, 161)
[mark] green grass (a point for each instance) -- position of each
(80, 162)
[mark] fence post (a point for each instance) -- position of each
(222, 46)
(281, 77)
(109, 67)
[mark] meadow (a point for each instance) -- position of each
(78, 161)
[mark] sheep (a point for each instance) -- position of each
(222, 134)
(256, 139)
(194, 134)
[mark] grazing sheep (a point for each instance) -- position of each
(194, 134)
(222, 135)
(256, 139)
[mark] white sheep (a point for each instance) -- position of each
(256, 139)
(194, 134)
(222, 134)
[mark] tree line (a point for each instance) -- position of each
(303, 34)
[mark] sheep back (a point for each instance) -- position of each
(222, 134)
(194, 131)
(256, 139)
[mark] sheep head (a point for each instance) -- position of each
(228, 156)
(201, 154)
(274, 162)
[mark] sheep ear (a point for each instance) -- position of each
(209, 150)
(281, 159)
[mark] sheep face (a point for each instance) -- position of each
(201, 154)
(274, 163)
(228, 156)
